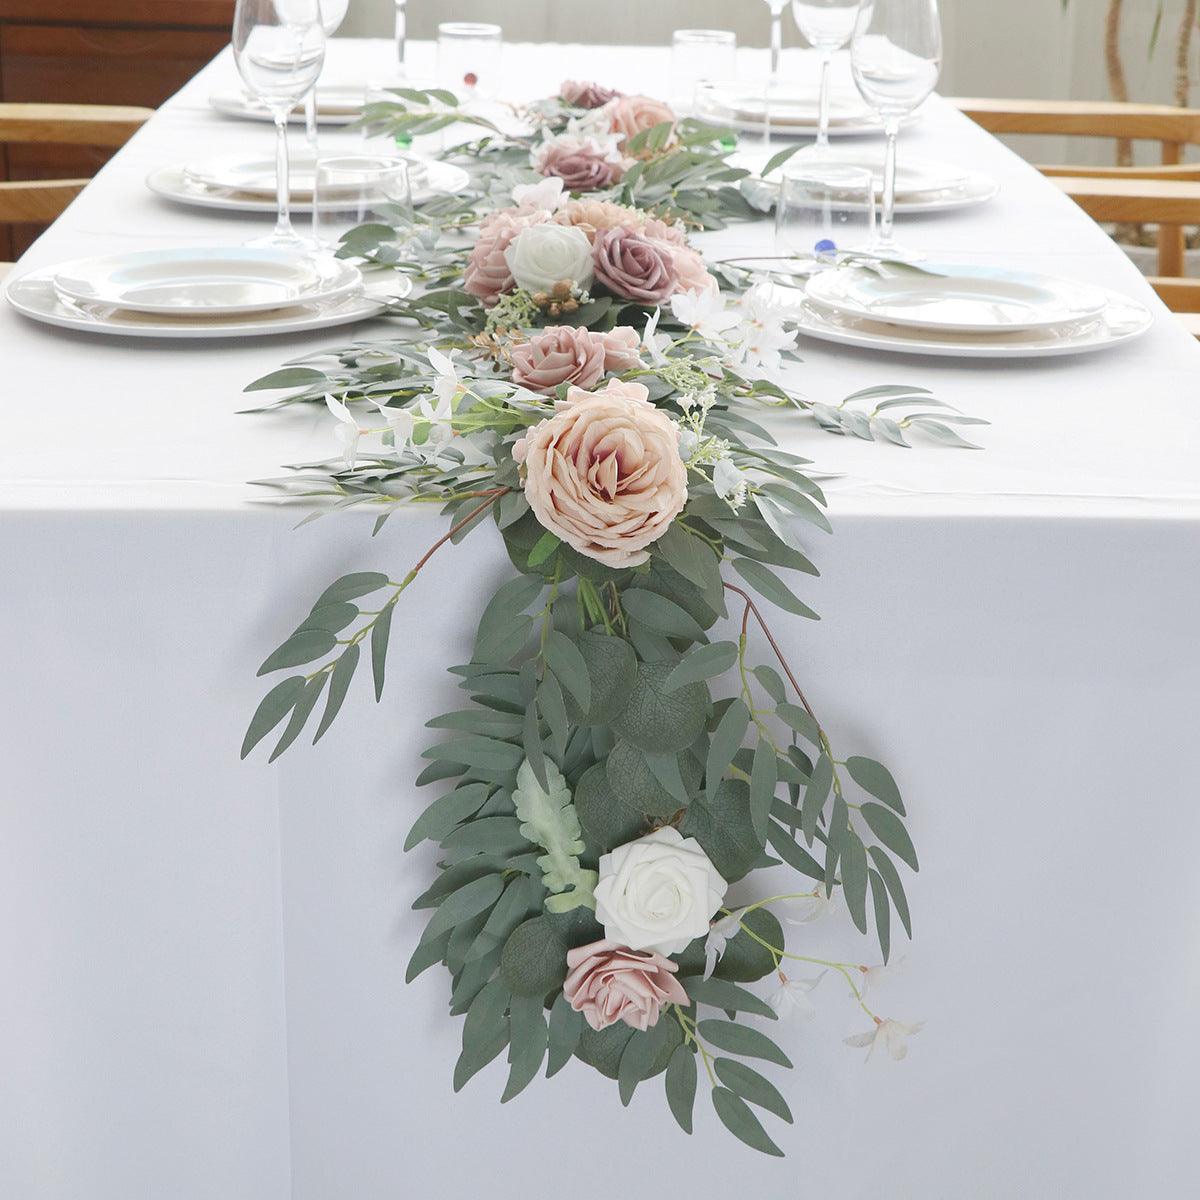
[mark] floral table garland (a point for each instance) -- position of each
(581, 380)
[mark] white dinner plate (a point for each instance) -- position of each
(335, 105)
(947, 298)
(34, 295)
(256, 176)
(206, 280)
(1121, 320)
(174, 183)
(975, 188)
(792, 114)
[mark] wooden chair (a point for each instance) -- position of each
(1125, 194)
(40, 201)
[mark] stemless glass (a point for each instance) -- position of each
(279, 48)
(824, 210)
(468, 56)
(827, 25)
(357, 189)
(896, 57)
(699, 56)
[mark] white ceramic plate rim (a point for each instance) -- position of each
(823, 290)
(236, 172)
(232, 103)
(1084, 339)
(328, 278)
(32, 294)
(977, 189)
(172, 183)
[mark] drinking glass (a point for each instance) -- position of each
(401, 33)
(827, 25)
(357, 189)
(279, 48)
(333, 13)
(824, 209)
(701, 55)
(468, 56)
(895, 55)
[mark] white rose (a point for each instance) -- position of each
(658, 893)
(543, 255)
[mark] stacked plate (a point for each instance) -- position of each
(792, 111)
(922, 184)
(201, 292)
(335, 105)
(965, 311)
(241, 183)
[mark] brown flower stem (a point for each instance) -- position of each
(751, 607)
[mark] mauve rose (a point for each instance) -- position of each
(579, 163)
(566, 354)
(604, 473)
(633, 267)
(609, 982)
(559, 354)
(487, 274)
(628, 115)
(585, 94)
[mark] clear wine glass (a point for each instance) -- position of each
(827, 25)
(333, 13)
(777, 8)
(279, 48)
(896, 56)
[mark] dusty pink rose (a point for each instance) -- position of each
(622, 349)
(660, 231)
(559, 354)
(692, 273)
(628, 115)
(581, 164)
(635, 267)
(487, 274)
(610, 983)
(604, 473)
(585, 94)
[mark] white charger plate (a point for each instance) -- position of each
(175, 184)
(1120, 321)
(34, 295)
(256, 176)
(206, 280)
(948, 298)
(335, 105)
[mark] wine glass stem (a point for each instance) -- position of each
(823, 101)
(892, 129)
(401, 32)
(776, 41)
(310, 133)
(283, 188)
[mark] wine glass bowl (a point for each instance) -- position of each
(895, 58)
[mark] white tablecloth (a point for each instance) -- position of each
(204, 959)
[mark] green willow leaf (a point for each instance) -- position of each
(380, 633)
(854, 878)
(875, 778)
(660, 614)
(752, 1087)
(724, 745)
(879, 901)
(339, 685)
(300, 714)
(743, 1040)
(737, 1117)
(792, 853)
(768, 585)
(720, 993)
(702, 662)
(680, 1084)
(764, 776)
(895, 887)
(272, 708)
(467, 902)
(886, 826)
(350, 587)
(800, 720)
(815, 795)
(566, 1027)
(526, 1044)
(567, 663)
(302, 647)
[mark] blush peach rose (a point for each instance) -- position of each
(580, 163)
(604, 473)
(566, 354)
(608, 982)
(629, 115)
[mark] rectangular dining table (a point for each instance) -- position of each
(204, 959)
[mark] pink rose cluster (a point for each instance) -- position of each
(635, 257)
(568, 354)
(608, 982)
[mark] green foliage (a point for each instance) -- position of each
(548, 818)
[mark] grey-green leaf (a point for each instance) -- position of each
(887, 827)
(891, 877)
(300, 714)
(702, 662)
(720, 993)
(879, 900)
(564, 659)
(875, 778)
(764, 775)
(465, 903)
(526, 1044)
(725, 743)
(660, 614)
(566, 1026)
(302, 647)
(743, 1040)
(681, 1086)
(752, 1087)
(380, 633)
(273, 707)
(339, 684)
(764, 581)
(737, 1116)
